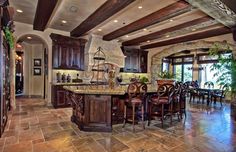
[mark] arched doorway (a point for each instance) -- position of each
(31, 66)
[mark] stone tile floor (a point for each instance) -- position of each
(34, 127)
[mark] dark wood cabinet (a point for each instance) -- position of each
(135, 60)
(60, 97)
(67, 52)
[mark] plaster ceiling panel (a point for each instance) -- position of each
(74, 12)
(28, 7)
(186, 17)
(130, 14)
(34, 39)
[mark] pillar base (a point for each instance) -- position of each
(233, 109)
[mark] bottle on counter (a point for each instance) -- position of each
(68, 78)
(63, 78)
(58, 77)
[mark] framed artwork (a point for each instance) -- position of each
(37, 71)
(37, 62)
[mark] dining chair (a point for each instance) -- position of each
(159, 104)
(136, 98)
(220, 94)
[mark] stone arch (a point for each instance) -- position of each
(156, 59)
(46, 44)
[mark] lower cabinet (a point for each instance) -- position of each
(60, 97)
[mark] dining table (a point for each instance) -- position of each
(207, 91)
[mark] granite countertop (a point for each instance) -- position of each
(70, 83)
(120, 90)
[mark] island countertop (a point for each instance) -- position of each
(119, 90)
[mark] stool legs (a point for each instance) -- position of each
(143, 116)
(133, 115)
(125, 115)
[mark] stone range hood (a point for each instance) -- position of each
(112, 50)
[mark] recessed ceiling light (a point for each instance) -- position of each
(144, 29)
(140, 7)
(73, 9)
(99, 29)
(171, 20)
(19, 11)
(193, 29)
(64, 21)
(167, 35)
(115, 21)
(127, 36)
(148, 41)
(29, 37)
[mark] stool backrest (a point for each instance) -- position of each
(137, 89)
(208, 84)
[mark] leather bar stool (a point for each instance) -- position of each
(136, 98)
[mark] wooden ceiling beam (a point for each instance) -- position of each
(43, 13)
(160, 33)
(191, 37)
(109, 8)
(163, 14)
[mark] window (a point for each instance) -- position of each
(165, 64)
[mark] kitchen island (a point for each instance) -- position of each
(93, 106)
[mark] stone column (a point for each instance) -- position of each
(233, 98)
(12, 78)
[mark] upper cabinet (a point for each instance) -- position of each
(67, 52)
(135, 60)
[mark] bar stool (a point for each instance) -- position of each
(136, 98)
(160, 104)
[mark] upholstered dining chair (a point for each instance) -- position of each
(136, 97)
(220, 94)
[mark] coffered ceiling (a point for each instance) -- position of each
(132, 22)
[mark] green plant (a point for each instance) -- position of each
(166, 75)
(9, 37)
(226, 67)
(144, 79)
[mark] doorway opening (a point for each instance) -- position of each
(31, 67)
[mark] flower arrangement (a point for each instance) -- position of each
(166, 75)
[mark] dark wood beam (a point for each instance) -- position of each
(43, 13)
(191, 37)
(163, 14)
(109, 8)
(160, 33)
(234, 33)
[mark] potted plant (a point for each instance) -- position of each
(226, 72)
(143, 79)
(165, 77)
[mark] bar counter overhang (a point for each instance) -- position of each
(92, 105)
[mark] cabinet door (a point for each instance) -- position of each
(55, 56)
(76, 57)
(61, 98)
(64, 57)
(99, 109)
(143, 61)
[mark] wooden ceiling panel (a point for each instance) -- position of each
(166, 13)
(160, 33)
(190, 37)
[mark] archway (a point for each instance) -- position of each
(32, 75)
(156, 60)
